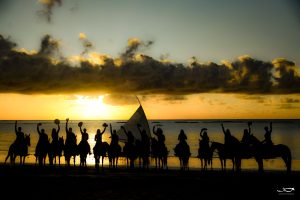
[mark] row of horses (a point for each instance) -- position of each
(113, 151)
(56, 150)
(240, 151)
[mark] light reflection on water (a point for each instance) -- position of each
(284, 132)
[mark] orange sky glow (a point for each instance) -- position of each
(197, 106)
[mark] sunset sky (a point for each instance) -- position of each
(193, 59)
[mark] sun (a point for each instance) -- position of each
(92, 107)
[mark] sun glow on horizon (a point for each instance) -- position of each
(97, 107)
(92, 107)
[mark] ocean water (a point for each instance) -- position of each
(284, 132)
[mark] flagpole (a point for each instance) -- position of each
(138, 100)
(144, 114)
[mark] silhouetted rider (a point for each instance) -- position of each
(268, 141)
(20, 135)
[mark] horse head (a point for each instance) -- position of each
(254, 141)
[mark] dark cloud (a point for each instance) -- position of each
(48, 6)
(6, 45)
(120, 99)
(258, 99)
(136, 73)
(134, 45)
(49, 46)
(251, 75)
(87, 45)
(175, 98)
(288, 76)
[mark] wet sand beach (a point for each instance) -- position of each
(33, 182)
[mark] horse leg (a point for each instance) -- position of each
(260, 164)
(233, 163)
(288, 161)
(201, 163)
(8, 155)
(24, 160)
(13, 158)
(166, 162)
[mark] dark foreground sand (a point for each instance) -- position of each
(31, 182)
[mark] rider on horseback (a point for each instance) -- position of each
(71, 137)
(232, 147)
(161, 150)
(20, 135)
(70, 144)
(145, 146)
(99, 133)
(182, 150)
(246, 140)
(114, 148)
(114, 136)
(204, 142)
(229, 139)
(267, 142)
(160, 136)
(54, 146)
(129, 148)
(55, 132)
(84, 138)
(42, 146)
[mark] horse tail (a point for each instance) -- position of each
(286, 155)
(288, 160)
(10, 153)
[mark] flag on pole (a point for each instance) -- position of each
(138, 117)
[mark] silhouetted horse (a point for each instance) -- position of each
(130, 149)
(42, 147)
(160, 154)
(56, 145)
(83, 150)
(143, 147)
(182, 151)
(139, 151)
(100, 150)
(83, 146)
(220, 148)
(70, 148)
(114, 152)
(205, 156)
(260, 152)
(232, 147)
(56, 150)
(19, 149)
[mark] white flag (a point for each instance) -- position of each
(138, 117)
